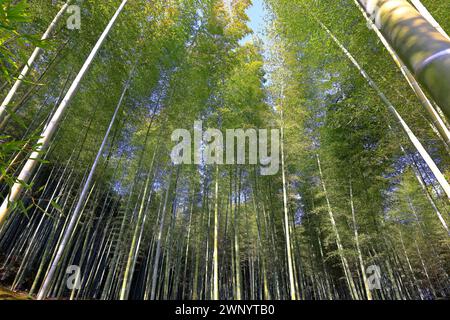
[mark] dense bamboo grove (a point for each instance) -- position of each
(88, 186)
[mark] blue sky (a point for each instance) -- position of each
(256, 14)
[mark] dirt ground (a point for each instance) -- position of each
(6, 294)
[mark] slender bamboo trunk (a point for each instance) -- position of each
(216, 239)
(134, 248)
(237, 248)
(188, 238)
(358, 248)
(26, 69)
(430, 200)
(34, 88)
(49, 131)
(82, 198)
(412, 137)
(410, 266)
(325, 273)
(425, 269)
(345, 265)
(158, 246)
(287, 230)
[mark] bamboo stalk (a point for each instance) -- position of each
(421, 47)
(26, 69)
(49, 131)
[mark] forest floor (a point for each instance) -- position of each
(6, 279)
(6, 294)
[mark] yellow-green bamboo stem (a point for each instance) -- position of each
(421, 47)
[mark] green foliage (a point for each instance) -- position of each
(184, 60)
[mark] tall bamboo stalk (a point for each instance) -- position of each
(345, 265)
(421, 47)
(427, 15)
(26, 69)
(432, 113)
(47, 134)
(134, 248)
(287, 230)
(358, 247)
(412, 137)
(81, 200)
(216, 239)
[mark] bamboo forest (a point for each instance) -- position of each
(225, 149)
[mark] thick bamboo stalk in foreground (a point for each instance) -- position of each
(432, 113)
(421, 47)
(427, 15)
